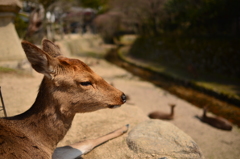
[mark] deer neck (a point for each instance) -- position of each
(44, 119)
(204, 113)
(172, 111)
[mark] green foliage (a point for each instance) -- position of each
(192, 17)
(202, 17)
(203, 34)
(47, 3)
(100, 5)
(20, 25)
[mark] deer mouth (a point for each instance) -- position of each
(113, 106)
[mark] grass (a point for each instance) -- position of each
(156, 57)
(6, 70)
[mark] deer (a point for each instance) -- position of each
(68, 87)
(217, 122)
(163, 115)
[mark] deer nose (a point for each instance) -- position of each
(124, 98)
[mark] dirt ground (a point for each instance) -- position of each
(19, 92)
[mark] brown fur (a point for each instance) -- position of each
(161, 115)
(65, 90)
(217, 122)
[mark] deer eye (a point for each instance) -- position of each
(86, 83)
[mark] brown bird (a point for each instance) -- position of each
(162, 115)
(217, 122)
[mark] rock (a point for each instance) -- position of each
(162, 140)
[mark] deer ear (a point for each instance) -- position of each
(51, 48)
(40, 60)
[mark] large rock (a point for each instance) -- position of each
(162, 140)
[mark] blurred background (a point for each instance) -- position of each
(192, 35)
(195, 36)
(196, 40)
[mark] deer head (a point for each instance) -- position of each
(70, 83)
